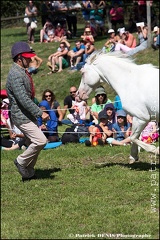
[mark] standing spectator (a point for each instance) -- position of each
(98, 13)
(24, 112)
(60, 8)
(76, 54)
(86, 5)
(73, 8)
(46, 12)
(117, 16)
(31, 12)
(50, 97)
(59, 58)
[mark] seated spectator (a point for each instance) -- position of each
(16, 137)
(121, 130)
(80, 111)
(156, 38)
(50, 97)
(59, 33)
(59, 58)
(4, 112)
(99, 132)
(127, 38)
(48, 26)
(117, 16)
(142, 37)
(87, 35)
(109, 46)
(50, 127)
(6, 144)
(89, 49)
(101, 100)
(34, 64)
(76, 54)
(68, 102)
(110, 111)
(150, 133)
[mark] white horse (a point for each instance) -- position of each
(136, 85)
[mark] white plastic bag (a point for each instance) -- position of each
(26, 19)
(33, 25)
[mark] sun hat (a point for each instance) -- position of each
(121, 113)
(121, 31)
(5, 102)
(100, 90)
(111, 31)
(102, 114)
(22, 48)
(155, 29)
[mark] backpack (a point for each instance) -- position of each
(74, 133)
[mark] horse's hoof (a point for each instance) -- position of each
(132, 160)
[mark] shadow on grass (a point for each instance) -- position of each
(46, 173)
(139, 166)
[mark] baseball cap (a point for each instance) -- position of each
(121, 113)
(111, 31)
(102, 114)
(155, 29)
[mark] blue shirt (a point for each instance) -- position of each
(75, 49)
(120, 134)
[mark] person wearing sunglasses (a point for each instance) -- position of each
(68, 103)
(101, 100)
(50, 97)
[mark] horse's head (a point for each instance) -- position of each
(90, 79)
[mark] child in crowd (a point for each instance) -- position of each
(4, 111)
(121, 130)
(150, 133)
(99, 132)
(87, 36)
(80, 111)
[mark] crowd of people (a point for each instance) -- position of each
(107, 122)
(59, 21)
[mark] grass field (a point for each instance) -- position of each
(81, 192)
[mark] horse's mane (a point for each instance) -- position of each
(118, 54)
